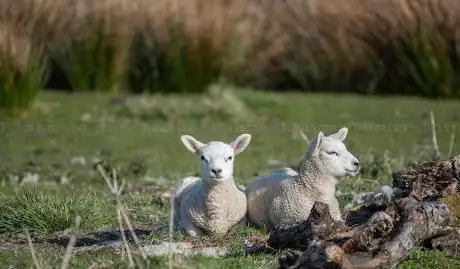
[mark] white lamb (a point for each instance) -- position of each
(211, 203)
(286, 196)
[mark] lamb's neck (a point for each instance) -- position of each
(312, 176)
(216, 191)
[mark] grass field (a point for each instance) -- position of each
(47, 174)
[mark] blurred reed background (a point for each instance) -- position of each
(171, 46)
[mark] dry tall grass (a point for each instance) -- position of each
(393, 46)
(186, 45)
(369, 46)
(22, 68)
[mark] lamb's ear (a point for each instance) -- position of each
(191, 143)
(341, 134)
(315, 145)
(240, 143)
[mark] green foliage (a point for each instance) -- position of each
(325, 66)
(181, 64)
(20, 81)
(429, 259)
(144, 74)
(420, 64)
(376, 166)
(19, 91)
(44, 212)
(94, 61)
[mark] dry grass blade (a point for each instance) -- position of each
(32, 250)
(171, 230)
(124, 239)
(433, 135)
(70, 245)
(451, 144)
(301, 133)
(116, 190)
(130, 227)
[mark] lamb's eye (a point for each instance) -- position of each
(229, 158)
(333, 153)
(203, 158)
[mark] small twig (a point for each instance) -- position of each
(116, 191)
(70, 245)
(68, 252)
(124, 239)
(171, 230)
(32, 250)
(433, 134)
(451, 145)
(130, 227)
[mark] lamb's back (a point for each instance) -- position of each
(260, 194)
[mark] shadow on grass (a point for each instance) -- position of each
(101, 238)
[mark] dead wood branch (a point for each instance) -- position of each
(431, 180)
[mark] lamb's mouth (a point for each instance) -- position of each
(216, 177)
(356, 171)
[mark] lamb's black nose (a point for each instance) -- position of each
(356, 163)
(216, 171)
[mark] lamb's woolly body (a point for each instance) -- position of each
(260, 193)
(212, 203)
(298, 194)
(214, 209)
(299, 190)
(286, 196)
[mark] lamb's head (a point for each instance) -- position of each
(216, 157)
(332, 156)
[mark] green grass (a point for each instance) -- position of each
(385, 133)
(429, 259)
(419, 259)
(113, 260)
(21, 77)
(43, 211)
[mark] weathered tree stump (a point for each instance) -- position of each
(384, 230)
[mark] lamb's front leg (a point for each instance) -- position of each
(190, 228)
(334, 209)
(188, 218)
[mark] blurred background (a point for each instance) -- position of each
(398, 47)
